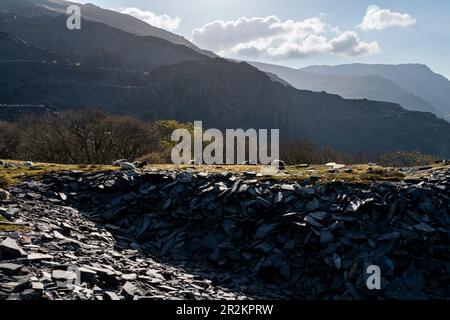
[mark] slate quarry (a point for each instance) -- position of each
(153, 234)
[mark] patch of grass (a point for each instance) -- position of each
(9, 228)
(6, 180)
(358, 174)
(19, 173)
(208, 168)
(12, 228)
(382, 174)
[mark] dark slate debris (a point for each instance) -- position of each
(149, 234)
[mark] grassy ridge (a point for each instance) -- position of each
(358, 173)
(14, 175)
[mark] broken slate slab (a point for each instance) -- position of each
(9, 247)
(10, 268)
(63, 275)
(424, 227)
(264, 230)
(110, 295)
(39, 256)
(130, 289)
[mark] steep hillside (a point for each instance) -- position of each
(16, 49)
(229, 95)
(97, 44)
(92, 12)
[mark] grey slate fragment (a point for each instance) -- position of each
(9, 247)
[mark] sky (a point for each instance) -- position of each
(299, 33)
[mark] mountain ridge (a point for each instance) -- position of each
(115, 49)
(95, 13)
(183, 85)
(414, 77)
(372, 87)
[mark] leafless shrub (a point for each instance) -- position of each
(406, 159)
(9, 140)
(87, 136)
(156, 157)
(304, 151)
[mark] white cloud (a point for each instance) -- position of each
(348, 43)
(161, 21)
(378, 19)
(274, 38)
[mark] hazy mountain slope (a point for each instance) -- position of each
(227, 95)
(351, 87)
(97, 44)
(113, 75)
(94, 13)
(416, 78)
(16, 49)
(241, 96)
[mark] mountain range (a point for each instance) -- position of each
(43, 63)
(413, 86)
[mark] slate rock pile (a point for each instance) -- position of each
(256, 237)
(58, 254)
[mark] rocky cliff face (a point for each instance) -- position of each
(236, 235)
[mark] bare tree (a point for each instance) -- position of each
(86, 136)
